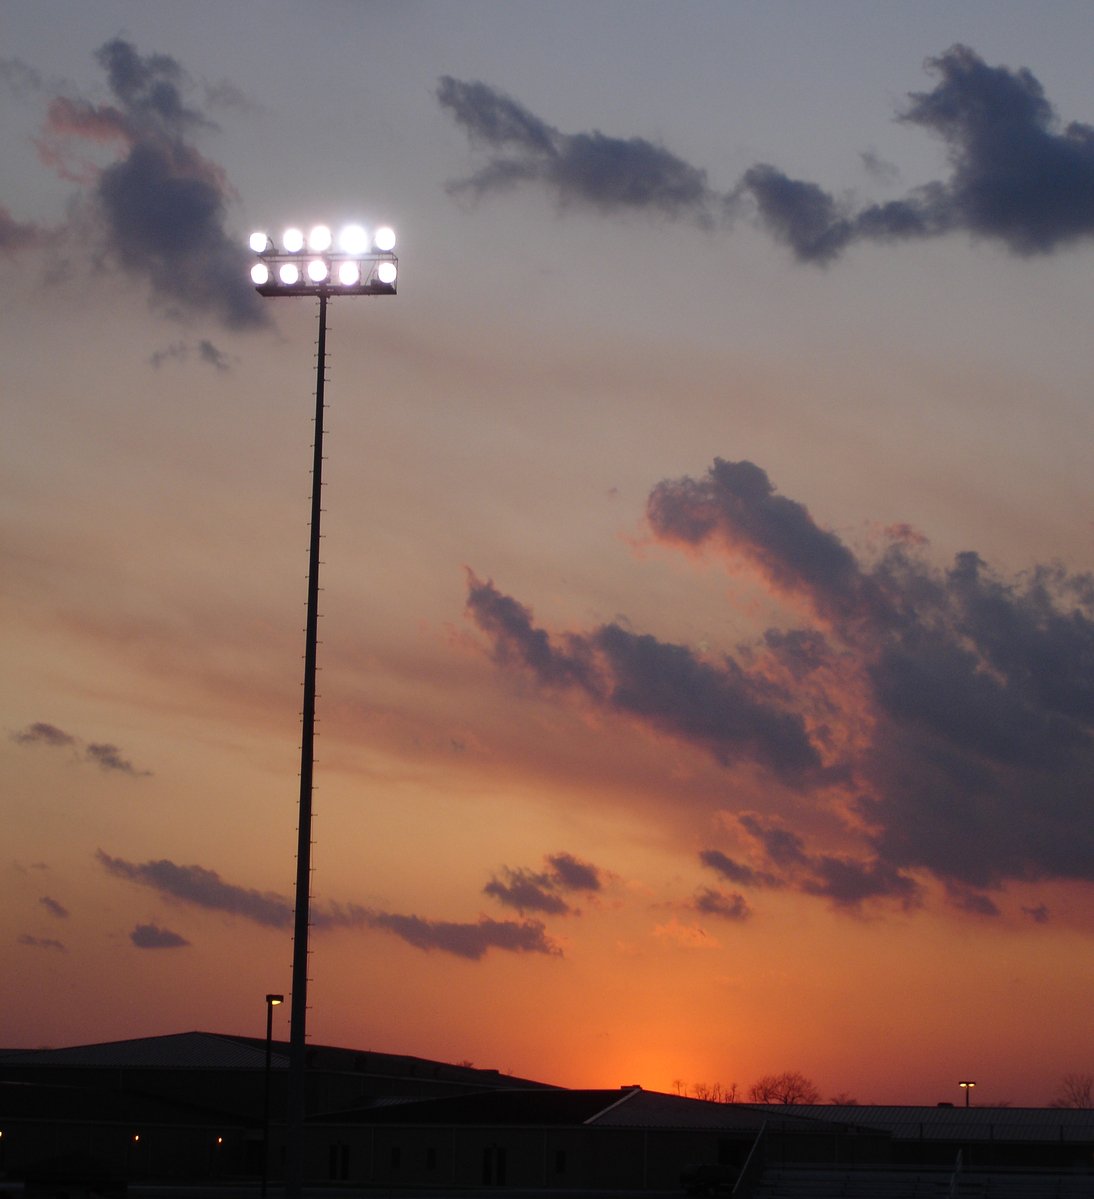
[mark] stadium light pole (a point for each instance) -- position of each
(966, 1084)
(314, 264)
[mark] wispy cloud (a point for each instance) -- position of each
(109, 758)
(53, 907)
(105, 755)
(202, 888)
(1018, 175)
(19, 235)
(686, 936)
(19, 77)
(205, 888)
(41, 733)
(181, 351)
(466, 940)
(941, 719)
(40, 942)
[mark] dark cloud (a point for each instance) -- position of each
(818, 228)
(733, 715)
(609, 173)
(53, 907)
(571, 874)
(716, 903)
(737, 872)
(41, 942)
(736, 504)
(539, 891)
(1017, 174)
(151, 936)
(526, 892)
(41, 733)
(206, 889)
(1039, 914)
(845, 881)
(940, 720)
(160, 207)
(848, 882)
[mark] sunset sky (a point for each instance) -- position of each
(707, 663)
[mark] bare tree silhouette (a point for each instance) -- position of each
(1076, 1090)
(791, 1086)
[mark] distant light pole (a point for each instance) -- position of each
(966, 1085)
(271, 1002)
(314, 265)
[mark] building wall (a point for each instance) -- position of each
(146, 1152)
(475, 1156)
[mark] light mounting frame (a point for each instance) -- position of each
(330, 272)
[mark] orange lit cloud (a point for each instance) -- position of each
(942, 719)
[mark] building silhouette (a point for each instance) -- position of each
(188, 1109)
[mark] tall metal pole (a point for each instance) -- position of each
(294, 1179)
(361, 266)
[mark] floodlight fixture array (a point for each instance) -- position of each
(355, 263)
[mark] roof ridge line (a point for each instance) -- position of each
(611, 1106)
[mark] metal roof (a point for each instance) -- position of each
(177, 1051)
(222, 1051)
(533, 1107)
(962, 1124)
(627, 1107)
(655, 1109)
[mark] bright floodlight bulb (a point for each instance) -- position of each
(259, 242)
(353, 240)
(260, 273)
(384, 238)
(293, 240)
(289, 273)
(349, 273)
(319, 239)
(386, 272)
(317, 270)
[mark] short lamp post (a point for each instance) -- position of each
(272, 1001)
(320, 265)
(967, 1085)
